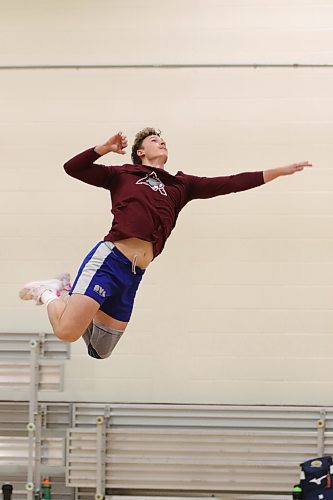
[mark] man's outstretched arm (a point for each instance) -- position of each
(209, 187)
(273, 173)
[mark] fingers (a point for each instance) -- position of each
(298, 167)
(118, 143)
(303, 164)
(122, 137)
(123, 142)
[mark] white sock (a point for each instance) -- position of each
(48, 296)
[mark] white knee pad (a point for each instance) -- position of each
(103, 340)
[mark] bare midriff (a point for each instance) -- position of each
(138, 251)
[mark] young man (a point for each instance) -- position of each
(146, 200)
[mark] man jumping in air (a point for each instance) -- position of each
(146, 201)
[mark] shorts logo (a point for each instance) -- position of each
(100, 290)
(153, 182)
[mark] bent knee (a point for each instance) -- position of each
(103, 340)
(67, 334)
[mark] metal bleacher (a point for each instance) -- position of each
(135, 451)
(32, 434)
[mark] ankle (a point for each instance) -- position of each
(48, 296)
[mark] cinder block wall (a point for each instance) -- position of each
(238, 309)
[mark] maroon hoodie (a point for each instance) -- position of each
(146, 200)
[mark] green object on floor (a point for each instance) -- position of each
(46, 489)
(297, 492)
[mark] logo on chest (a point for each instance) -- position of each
(153, 182)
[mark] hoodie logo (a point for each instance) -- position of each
(153, 182)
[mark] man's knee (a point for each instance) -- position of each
(103, 340)
(68, 334)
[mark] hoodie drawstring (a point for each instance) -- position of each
(134, 261)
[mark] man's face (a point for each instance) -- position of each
(153, 147)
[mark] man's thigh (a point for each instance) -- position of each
(79, 312)
(109, 321)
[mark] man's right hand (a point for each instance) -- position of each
(116, 144)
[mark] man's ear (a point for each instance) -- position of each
(140, 152)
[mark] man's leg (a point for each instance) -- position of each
(72, 318)
(103, 334)
(79, 315)
(69, 317)
(100, 337)
(101, 340)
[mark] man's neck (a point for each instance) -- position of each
(156, 163)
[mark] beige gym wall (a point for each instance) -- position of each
(238, 309)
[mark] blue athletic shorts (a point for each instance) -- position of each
(109, 277)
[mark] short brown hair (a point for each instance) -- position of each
(139, 138)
